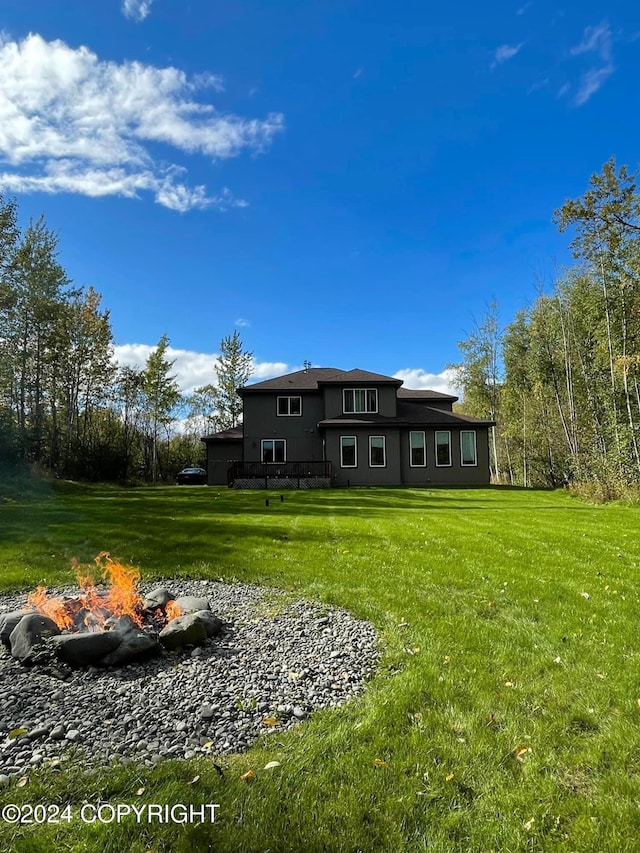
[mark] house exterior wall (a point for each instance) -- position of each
(220, 454)
(364, 474)
(398, 470)
(333, 400)
(454, 474)
(261, 421)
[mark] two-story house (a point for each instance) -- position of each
(322, 426)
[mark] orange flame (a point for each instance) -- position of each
(54, 608)
(172, 610)
(121, 598)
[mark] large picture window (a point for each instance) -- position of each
(468, 449)
(348, 451)
(360, 401)
(274, 449)
(289, 406)
(418, 449)
(443, 448)
(377, 451)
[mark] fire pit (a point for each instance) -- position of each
(107, 623)
(276, 660)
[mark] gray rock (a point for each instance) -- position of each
(212, 624)
(38, 732)
(158, 597)
(57, 733)
(73, 735)
(188, 630)
(30, 633)
(8, 622)
(4, 780)
(133, 643)
(191, 604)
(85, 649)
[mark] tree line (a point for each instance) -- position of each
(65, 404)
(562, 379)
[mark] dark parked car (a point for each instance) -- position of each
(192, 477)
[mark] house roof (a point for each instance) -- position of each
(314, 377)
(408, 414)
(357, 377)
(301, 380)
(424, 394)
(232, 434)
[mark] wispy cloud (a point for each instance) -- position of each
(191, 369)
(70, 122)
(524, 8)
(137, 10)
(596, 40)
(539, 84)
(419, 379)
(591, 82)
(504, 53)
(357, 73)
(241, 322)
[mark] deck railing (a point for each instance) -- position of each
(278, 471)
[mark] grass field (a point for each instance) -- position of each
(506, 711)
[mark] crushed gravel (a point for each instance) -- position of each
(274, 663)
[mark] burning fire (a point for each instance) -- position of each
(172, 610)
(94, 605)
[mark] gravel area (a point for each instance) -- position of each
(272, 665)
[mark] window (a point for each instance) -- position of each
(418, 449)
(348, 451)
(443, 448)
(468, 452)
(290, 406)
(360, 400)
(377, 451)
(274, 449)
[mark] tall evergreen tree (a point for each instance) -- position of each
(233, 370)
(161, 396)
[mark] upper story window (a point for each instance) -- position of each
(360, 400)
(289, 406)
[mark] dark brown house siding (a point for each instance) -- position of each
(220, 455)
(261, 419)
(456, 473)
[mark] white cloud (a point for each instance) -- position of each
(136, 9)
(595, 40)
(240, 322)
(591, 82)
(523, 8)
(504, 53)
(191, 369)
(70, 122)
(419, 379)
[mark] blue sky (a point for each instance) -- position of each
(348, 181)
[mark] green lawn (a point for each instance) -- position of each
(509, 622)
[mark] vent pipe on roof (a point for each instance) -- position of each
(307, 365)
